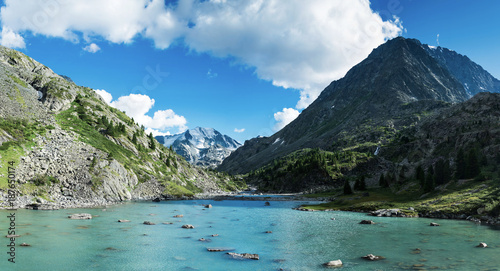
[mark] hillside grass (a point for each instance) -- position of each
(457, 197)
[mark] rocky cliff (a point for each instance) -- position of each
(69, 149)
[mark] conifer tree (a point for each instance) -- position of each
(152, 144)
(362, 184)
(382, 181)
(472, 164)
(347, 187)
(460, 165)
(420, 175)
(429, 180)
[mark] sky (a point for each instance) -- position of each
(244, 67)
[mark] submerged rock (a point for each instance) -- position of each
(434, 224)
(148, 223)
(187, 226)
(25, 245)
(178, 215)
(208, 206)
(372, 257)
(219, 249)
(336, 263)
(80, 216)
(244, 255)
(482, 245)
(366, 222)
(123, 220)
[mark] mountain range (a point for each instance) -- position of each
(204, 147)
(396, 86)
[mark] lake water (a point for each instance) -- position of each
(299, 240)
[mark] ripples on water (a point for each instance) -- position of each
(299, 240)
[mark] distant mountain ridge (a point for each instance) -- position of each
(398, 83)
(204, 147)
(472, 76)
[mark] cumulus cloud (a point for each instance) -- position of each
(294, 44)
(236, 130)
(283, 118)
(138, 105)
(11, 39)
(92, 48)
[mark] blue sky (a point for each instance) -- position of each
(245, 68)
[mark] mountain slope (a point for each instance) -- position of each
(204, 147)
(388, 90)
(472, 76)
(68, 148)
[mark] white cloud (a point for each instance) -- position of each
(156, 132)
(138, 105)
(11, 39)
(284, 117)
(295, 44)
(236, 130)
(211, 74)
(106, 96)
(92, 48)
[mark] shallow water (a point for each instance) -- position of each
(299, 240)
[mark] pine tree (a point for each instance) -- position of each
(429, 180)
(439, 177)
(420, 175)
(347, 187)
(362, 185)
(472, 169)
(152, 144)
(382, 181)
(134, 139)
(460, 165)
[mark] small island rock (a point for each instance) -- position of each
(187, 226)
(434, 224)
(80, 216)
(482, 245)
(336, 263)
(244, 255)
(148, 223)
(366, 222)
(372, 257)
(123, 220)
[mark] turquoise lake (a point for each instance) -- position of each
(299, 240)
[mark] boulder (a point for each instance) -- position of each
(482, 245)
(215, 235)
(268, 232)
(156, 200)
(372, 257)
(80, 216)
(148, 223)
(208, 206)
(12, 236)
(366, 222)
(178, 215)
(218, 249)
(434, 224)
(123, 220)
(187, 226)
(244, 255)
(267, 203)
(25, 245)
(336, 263)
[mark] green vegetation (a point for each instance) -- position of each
(306, 167)
(41, 180)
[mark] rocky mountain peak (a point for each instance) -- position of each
(205, 147)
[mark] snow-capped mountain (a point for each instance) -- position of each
(201, 146)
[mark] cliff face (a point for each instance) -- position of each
(70, 149)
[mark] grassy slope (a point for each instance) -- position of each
(457, 197)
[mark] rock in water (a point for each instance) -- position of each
(244, 255)
(178, 215)
(208, 206)
(434, 224)
(148, 223)
(123, 220)
(25, 245)
(372, 257)
(187, 226)
(482, 245)
(80, 216)
(337, 263)
(366, 222)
